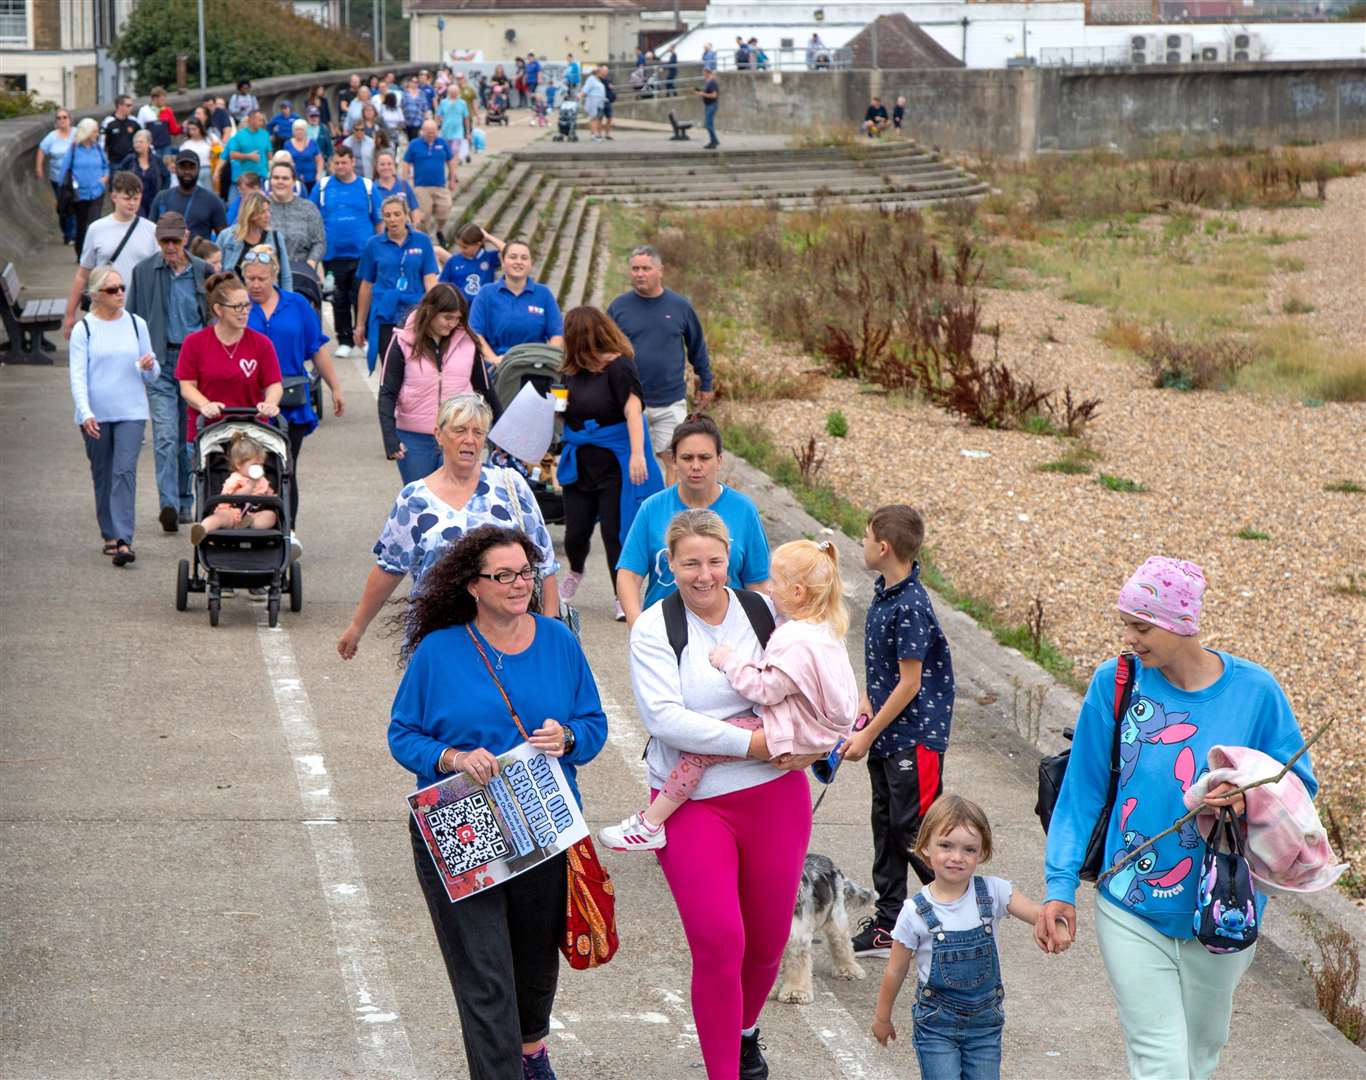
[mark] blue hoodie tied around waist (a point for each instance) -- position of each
(613, 437)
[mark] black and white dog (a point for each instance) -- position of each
(824, 901)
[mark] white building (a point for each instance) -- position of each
(59, 48)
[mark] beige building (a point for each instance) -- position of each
(52, 46)
(500, 30)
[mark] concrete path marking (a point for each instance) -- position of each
(381, 1040)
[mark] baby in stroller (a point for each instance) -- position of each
(568, 119)
(248, 477)
(498, 106)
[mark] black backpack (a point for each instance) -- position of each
(1226, 901)
(1053, 769)
(676, 619)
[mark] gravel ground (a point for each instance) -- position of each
(1211, 463)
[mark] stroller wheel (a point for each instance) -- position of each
(182, 585)
(296, 588)
(214, 604)
(273, 610)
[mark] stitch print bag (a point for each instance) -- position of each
(1226, 911)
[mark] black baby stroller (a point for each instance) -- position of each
(498, 108)
(241, 558)
(539, 365)
(569, 120)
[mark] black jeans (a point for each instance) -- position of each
(87, 210)
(904, 786)
(582, 510)
(296, 434)
(501, 948)
(345, 297)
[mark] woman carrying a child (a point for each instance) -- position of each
(468, 641)
(735, 847)
(1175, 998)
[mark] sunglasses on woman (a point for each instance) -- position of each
(507, 577)
(263, 257)
(112, 290)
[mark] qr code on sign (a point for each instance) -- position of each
(467, 833)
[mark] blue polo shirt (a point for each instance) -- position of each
(401, 187)
(504, 318)
(901, 625)
(471, 275)
(396, 270)
(282, 126)
(297, 335)
(429, 161)
(350, 214)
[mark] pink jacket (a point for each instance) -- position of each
(424, 388)
(805, 687)
(1287, 848)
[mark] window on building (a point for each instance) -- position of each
(14, 22)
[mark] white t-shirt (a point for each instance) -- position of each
(911, 931)
(202, 147)
(105, 235)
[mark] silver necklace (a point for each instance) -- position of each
(232, 353)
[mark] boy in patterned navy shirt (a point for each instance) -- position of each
(910, 700)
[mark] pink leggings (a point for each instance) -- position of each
(687, 773)
(733, 864)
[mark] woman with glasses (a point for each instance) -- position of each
(112, 364)
(252, 229)
(435, 511)
(293, 328)
(501, 944)
(227, 365)
(49, 162)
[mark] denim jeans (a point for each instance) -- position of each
(114, 471)
(709, 120)
(953, 1042)
(421, 455)
(174, 476)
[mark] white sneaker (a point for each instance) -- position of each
(570, 585)
(633, 834)
(341, 352)
(296, 549)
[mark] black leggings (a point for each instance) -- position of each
(296, 435)
(583, 509)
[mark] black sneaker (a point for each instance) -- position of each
(753, 1066)
(872, 939)
(170, 519)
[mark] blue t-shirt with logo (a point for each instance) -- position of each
(646, 553)
(901, 625)
(396, 271)
(350, 213)
(429, 161)
(472, 274)
(504, 318)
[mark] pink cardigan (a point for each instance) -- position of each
(1287, 848)
(805, 687)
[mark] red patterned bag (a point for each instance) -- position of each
(590, 921)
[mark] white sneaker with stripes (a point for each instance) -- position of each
(633, 834)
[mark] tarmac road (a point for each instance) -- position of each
(205, 867)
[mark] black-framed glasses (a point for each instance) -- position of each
(507, 577)
(239, 308)
(113, 290)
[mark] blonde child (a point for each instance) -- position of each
(248, 477)
(948, 930)
(805, 686)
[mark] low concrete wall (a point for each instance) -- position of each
(28, 215)
(1019, 113)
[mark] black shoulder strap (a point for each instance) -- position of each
(676, 619)
(126, 237)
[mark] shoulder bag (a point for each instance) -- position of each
(590, 918)
(1226, 901)
(1052, 770)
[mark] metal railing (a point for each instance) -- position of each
(1083, 56)
(1137, 12)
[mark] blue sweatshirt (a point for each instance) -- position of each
(662, 329)
(447, 698)
(1165, 740)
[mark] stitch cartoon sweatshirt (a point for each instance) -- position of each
(1165, 736)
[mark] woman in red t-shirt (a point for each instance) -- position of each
(227, 366)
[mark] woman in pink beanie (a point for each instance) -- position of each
(1175, 999)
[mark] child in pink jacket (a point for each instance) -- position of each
(805, 686)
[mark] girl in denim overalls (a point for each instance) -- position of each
(948, 930)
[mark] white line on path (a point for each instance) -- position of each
(381, 1041)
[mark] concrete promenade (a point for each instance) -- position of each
(205, 870)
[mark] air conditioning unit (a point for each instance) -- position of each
(1246, 48)
(1214, 53)
(1177, 48)
(1144, 48)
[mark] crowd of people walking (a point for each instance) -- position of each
(206, 297)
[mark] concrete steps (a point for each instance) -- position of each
(578, 280)
(790, 178)
(561, 255)
(520, 201)
(548, 225)
(506, 191)
(473, 188)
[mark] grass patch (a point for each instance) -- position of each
(1249, 533)
(739, 381)
(836, 424)
(1344, 487)
(1354, 587)
(1118, 483)
(1294, 364)
(752, 442)
(1074, 463)
(1295, 305)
